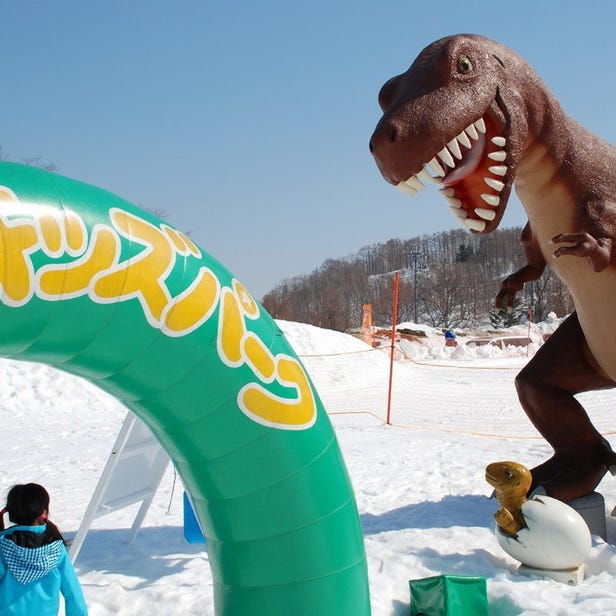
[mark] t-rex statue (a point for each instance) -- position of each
(473, 116)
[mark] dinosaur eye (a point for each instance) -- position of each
(508, 474)
(465, 65)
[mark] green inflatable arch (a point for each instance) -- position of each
(99, 288)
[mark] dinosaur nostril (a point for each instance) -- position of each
(383, 136)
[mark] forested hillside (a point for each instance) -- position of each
(447, 279)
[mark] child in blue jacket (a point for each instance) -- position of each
(34, 564)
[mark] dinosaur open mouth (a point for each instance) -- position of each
(471, 170)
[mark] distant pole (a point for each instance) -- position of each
(530, 320)
(415, 286)
(415, 255)
(394, 321)
(531, 305)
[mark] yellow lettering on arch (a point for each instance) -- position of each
(193, 307)
(62, 231)
(51, 232)
(266, 408)
(7, 196)
(259, 357)
(75, 278)
(246, 301)
(231, 329)
(143, 275)
(182, 243)
(19, 238)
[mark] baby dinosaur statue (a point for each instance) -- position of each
(511, 482)
(473, 116)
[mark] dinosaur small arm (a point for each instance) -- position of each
(473, 116)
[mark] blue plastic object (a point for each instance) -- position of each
(192, 530)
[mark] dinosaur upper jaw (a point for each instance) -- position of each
(473, 172)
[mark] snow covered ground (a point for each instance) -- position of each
(422, 498)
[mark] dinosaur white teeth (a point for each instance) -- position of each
(495, 184)
(454, 147)
(499, 156)
(406, 189)
(492, 200)
(464, 140)
(498, 170)
(442, 169)
(485, 213)
(471, 131)
(414, 183)
(425, 176)
(474, 224)
(446, 157)
(435, 167)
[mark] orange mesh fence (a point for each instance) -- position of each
(435, 396)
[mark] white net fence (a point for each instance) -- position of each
(435, 396)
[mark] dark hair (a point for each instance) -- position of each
(26, 502)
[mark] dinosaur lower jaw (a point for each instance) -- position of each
(471, 169)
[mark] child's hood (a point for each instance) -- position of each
(30, 564)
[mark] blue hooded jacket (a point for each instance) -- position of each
(33, 573)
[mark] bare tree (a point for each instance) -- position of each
(37, 161)
(456, 285)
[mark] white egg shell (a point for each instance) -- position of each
(557, 537)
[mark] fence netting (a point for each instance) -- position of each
(435, 396)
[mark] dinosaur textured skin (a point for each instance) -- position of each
(474, 117)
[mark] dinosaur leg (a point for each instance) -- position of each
(546, 387)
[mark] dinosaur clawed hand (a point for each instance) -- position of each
(509, 289)
(506, 522)
(514, 283)
(597, 250)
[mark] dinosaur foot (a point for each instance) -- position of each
(567, 477)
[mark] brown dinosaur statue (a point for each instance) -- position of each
(474, 117)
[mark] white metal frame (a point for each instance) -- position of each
(132, 474)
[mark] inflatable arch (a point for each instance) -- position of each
(99, 288)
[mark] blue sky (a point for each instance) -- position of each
(249, 121)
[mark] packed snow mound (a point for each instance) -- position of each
(311, 340)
